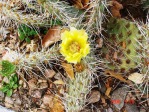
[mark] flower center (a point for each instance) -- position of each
(74, 47)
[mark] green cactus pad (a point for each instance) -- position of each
(7, 68)
(122, 45)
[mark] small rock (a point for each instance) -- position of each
(118, 97)
(18, 101)
(2, 95)
(36, 94)
(8, 105)
(9, 100)
(131, 108)
(94, 96)
(43, 106)
(24, 85)
(6, 80)
(32, 83)
(20, 82)
(40, 81)
(48, 100)
(16, 108)
(109, 110)
(57, 76)
(49, 73)
(43, 85)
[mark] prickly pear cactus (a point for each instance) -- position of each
(122, 46)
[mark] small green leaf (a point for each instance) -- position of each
(7, 68)
(15, 78)
(28, 40)
(21, 34)
(11, 84)
(4, 89)
(9, 92)
(15, 86)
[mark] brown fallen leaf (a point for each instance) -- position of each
(52, 36)
(115, 8)
(57, 105)
(136, 77)
(115, 55)
(48, 100)
(116, 75)
(32, 83)
(69, 70)
(80, 4)
(79, 67)
(99, 42)
(59, 82)
(49, 73)
(109, 88)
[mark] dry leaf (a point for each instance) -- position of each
(48, 100)
(57, 105)
(136, 78)
(124, 45)
(108, 91)
(115, 9)
(69, 70)
(80, 4)
(109, 88)
(59, 82)
(52, 36)
(116, 75)
(79, 67)
(32, 83)
(99, 42)
(115, 55)
(49, 73)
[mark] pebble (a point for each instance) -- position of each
(20, 82)
(36, 94)
(32, 83)
(131, 108)
(6, 80)
(8, 105)
(94, 96)
(43, 85)
(9, 100)
(118, 97)
(48, 100)
(2, 95)
(18, 101)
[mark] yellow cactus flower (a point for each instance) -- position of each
(74, 45)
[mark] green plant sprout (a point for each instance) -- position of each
(7, 68)
(25, 33)
(8, 88)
